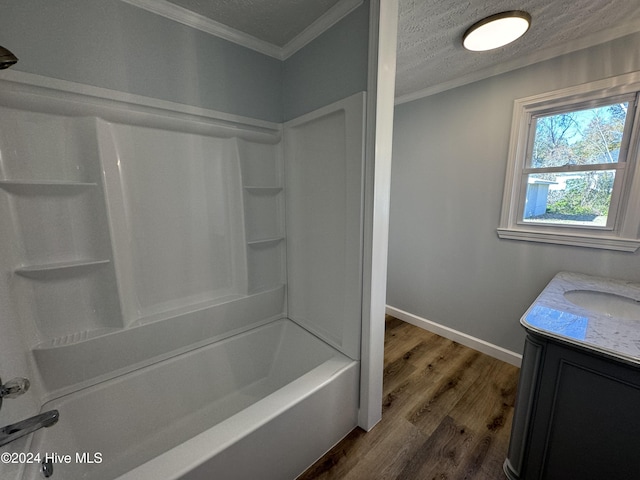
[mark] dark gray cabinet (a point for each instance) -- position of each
(577, 415)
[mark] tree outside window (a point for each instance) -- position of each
(589, 137)
(572, 174)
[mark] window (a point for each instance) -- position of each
(571, 177)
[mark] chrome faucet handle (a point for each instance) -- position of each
(14, 387)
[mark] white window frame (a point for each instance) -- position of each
(623, 227)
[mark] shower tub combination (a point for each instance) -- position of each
(256, 405)
(180, 329)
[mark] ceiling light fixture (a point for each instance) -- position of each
(496, 31)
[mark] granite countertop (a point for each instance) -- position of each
(552, 315)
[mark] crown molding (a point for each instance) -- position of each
(323, 23)
(204, 24)
(523, 61)
(207, 25)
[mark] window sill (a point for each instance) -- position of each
(577, 240)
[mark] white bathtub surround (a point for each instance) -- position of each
(184, 412)
(324, 168)
(176, 215)
(62, 372)
(135, 209)
(154, 269)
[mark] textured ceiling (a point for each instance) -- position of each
(274, 21)
(430, 53)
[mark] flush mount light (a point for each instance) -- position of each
(496, 31)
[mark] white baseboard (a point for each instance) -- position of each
(460, 337)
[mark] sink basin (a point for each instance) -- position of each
(605, 303)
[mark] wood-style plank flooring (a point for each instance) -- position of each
(446, 415)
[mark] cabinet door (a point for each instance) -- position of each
(586, 424)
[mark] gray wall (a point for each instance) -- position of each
(330, 68)
(111, 44)
(446, 263)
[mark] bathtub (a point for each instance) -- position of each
(264, 404)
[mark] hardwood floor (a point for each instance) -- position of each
(446, 415)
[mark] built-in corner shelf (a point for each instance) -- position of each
(41, 271)
(265, 241)
(44, 187)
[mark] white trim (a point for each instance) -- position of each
(467, 340)
(339, 105)
(207, 25)
(524, 61)
(318, 27)
(46, 90)
(577, 240)
(383, 29)
(194, 20)
(625, 236)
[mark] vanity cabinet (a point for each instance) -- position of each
(577, 414)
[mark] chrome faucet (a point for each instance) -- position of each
(12, 389)
(25, 427)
